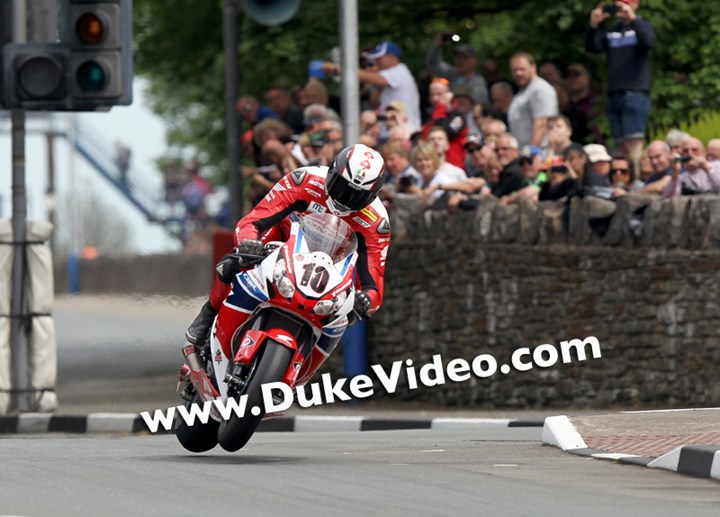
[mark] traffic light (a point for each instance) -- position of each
(100, 41)
(35, 75)
(89, 70)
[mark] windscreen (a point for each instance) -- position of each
(329, 234)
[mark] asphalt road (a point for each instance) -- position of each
(500, 472)
(119, 337)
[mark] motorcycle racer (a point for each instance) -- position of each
(348, 188)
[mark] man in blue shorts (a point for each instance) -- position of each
(628, 44)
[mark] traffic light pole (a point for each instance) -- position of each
(18, 327)
(235, 186)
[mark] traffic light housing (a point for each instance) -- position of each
(35, 75)
(90, 69)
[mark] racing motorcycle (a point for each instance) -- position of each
(306, 293)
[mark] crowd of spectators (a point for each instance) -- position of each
(469, 133)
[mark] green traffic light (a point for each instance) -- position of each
(90, 77)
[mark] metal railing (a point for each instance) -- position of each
(145, 191)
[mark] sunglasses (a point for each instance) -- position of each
(473, 148)
(620, 171)
(525, 161)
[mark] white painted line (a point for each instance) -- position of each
(672, 410)
(667, 461)
(33, 423)
(715, 468)
(613, 456)
(110, 422)
(559, 431)
(464, 423)
(309, 424)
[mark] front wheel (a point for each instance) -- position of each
(235, 432)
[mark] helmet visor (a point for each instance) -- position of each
(346, 196)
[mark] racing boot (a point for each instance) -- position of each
(197, 332)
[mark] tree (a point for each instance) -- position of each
(179, 49)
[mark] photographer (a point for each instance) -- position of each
(691, 172)
(628, 44)
(392, 77)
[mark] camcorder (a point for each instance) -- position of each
(405, 182)
(610, 9)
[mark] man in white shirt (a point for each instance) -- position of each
(393, 76)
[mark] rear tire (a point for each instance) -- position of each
(235, 432)
(198, 437)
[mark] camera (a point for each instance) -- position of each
(405, 182)
(682, 159)
(610, 9)
(450, 36)
(559, 168)
(381, 117)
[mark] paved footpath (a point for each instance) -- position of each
(683, 440)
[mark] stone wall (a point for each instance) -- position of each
(503, 277)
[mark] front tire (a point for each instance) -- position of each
(235, 433)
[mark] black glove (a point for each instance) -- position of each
(253, 249)
(362, 304)
(227, 268)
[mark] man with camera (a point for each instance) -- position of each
(393, 78)
(692, 173)
(628, 44)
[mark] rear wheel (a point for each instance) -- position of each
(197, 437)
(235, 432)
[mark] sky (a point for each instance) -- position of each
(135, 125)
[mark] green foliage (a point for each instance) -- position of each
(179, 48)
(705, 128)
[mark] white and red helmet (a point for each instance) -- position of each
(354, 179)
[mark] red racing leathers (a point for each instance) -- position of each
(303, 191)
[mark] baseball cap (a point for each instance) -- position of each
(597, 153)
(465, 50)
(383, 49)
(463, 90)
(474, 140)
(530, 151)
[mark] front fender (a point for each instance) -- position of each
(254, 339)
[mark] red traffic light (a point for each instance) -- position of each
(90, 28)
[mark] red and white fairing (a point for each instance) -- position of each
(309, 276)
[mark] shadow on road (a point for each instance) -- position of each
(213, 459)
